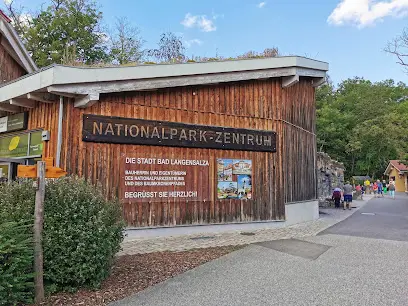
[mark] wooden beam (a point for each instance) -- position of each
(290, 80)
(45, 97)
(51, 89)
(316, 82)
(22, 102)
(87, 101)
(9, 108)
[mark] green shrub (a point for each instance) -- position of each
(82, 230)
(16, 264)
(82, 233)
(17, 201)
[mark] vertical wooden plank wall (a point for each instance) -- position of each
(9, 68)
(285, 176)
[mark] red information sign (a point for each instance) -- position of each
(162, 179)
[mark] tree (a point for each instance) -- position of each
(126, 43)
(399, 47)
(363, 124)
(268, 52)
(65, 24)
(171, 49)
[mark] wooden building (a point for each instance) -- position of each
(178, 144)
(398, 172)
(14, 63)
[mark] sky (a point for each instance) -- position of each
(348, 34)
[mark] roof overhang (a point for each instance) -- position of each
(14, 46)
(86, 84)
(389, 168)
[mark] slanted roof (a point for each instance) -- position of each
(14, 46)
(361, 178)
(397, 165)
(85, 84)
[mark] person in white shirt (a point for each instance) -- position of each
(391, 189)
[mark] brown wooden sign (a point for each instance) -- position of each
(163, 178)
(162, 133)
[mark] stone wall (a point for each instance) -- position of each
(330, 174)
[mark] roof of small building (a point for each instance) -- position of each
(397, 165)
(14, 46)
(85, 84)
(361, 177)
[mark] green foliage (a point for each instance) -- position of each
(17, 201)
(16, 264)
(363, 124)
(82, 233)
(68, 24)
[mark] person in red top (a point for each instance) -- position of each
(358, 192)
(375, 189)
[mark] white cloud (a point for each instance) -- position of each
(261, 5)
(189, 21)
(25, 19)
(216, 16)
(366, 12)
(199, 21)
(194, 41)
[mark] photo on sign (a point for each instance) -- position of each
(227, 190)
(224, 170)
(244, 187)
(243, 166)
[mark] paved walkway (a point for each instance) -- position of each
(329, 217)
(332, 269)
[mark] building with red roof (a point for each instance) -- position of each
(399, 173)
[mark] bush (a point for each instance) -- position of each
(82, 233)
(16, 264)
(82, 230)
(17, 201)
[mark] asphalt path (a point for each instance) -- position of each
(380, 218)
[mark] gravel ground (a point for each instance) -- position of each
(134, 273)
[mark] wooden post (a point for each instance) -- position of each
(38, 228)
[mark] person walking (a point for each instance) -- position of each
(391, 188)
(380, 188)
(336, 197)
(385, 187)
(367, 186)
(348, 195)
(375, 189)
(359, 194)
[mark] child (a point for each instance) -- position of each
(385, 187)
(375, 189)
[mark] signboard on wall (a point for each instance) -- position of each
(13, 122)
(21, 145)
(162, 133)
(234, 179)
(164, 178)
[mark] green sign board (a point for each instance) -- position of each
(13, 122)
(22, 145)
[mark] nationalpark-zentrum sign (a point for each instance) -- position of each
(162, 133)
